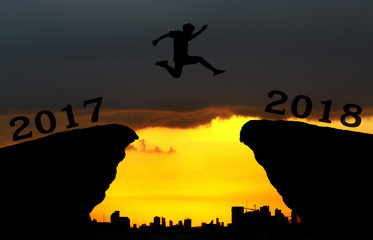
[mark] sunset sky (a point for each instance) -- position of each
(189, 161)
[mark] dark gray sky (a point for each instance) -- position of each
(55, 53)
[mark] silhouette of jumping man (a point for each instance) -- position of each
(181, 56)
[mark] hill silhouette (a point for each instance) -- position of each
(50, 185)
(323, 174)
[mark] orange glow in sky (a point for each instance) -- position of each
(197, 173)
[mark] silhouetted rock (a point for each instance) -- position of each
(51, 184)
(323, 174)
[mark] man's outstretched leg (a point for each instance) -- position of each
(175, 72)
(204, 63)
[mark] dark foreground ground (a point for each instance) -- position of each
(197, 234)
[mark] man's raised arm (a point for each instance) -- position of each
(204, 27)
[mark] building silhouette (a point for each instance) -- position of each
(118, 221)
(237, 216)
(264, 211)
(188, 223)
(157, 221)
(258, 218)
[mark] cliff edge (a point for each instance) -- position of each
(323, 174)
(53, 183)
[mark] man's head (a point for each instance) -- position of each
(188, 28)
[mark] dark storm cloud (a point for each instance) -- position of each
(139, 119)
(55, 53)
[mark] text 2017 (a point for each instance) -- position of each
(351, 110)
(19, 133)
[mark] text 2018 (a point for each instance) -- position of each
(351, 110)
(18, 135)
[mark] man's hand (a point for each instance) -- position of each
(155, 42)
(204, 27)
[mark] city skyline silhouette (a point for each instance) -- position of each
(255, 223)
(237, 218)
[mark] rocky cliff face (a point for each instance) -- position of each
(53, 183)
(323, 174)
